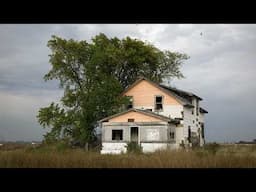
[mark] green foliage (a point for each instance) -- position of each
(134, 147)
(93, 75)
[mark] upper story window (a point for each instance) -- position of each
(159, 103)
(130, 105)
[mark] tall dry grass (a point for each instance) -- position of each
(225, 157)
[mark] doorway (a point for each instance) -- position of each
(134, 134)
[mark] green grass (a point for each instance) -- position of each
(59, 157)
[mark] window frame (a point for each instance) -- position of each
(157, 103)
(131, 102)
(121, 135)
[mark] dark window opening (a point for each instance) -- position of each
(189, 134)
(130, 120)
(172, 135)
(130, 104)
(117, 135)
(192, 112)
(182, 114)
(202, 130)
(159, 103)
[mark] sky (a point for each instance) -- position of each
(221, 69)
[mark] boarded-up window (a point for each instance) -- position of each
(130, 120)
(153, 135)
(117, 135)
(159, 103)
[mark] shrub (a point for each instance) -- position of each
(133, 147)
(212, 147)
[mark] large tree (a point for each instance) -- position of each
(93, 75)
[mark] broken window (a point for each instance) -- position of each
(172, 135)
(117, 135)
(189, 134)
(130, 104)
(130, 120)
(202, 130)
(159, 103)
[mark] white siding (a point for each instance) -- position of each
(113, 148)
(152, 147)
(179, 134)
(173, 111)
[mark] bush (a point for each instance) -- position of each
(212, 147)
(133, 147)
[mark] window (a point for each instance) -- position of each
(193, 121)
(149, 109)
(159, 103)
(130, 120)
(192, 111)
(130, 105)
(117, 135)
(182, 114)
(172, 135)
(189, 134)
(202, 130)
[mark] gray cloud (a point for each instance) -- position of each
(221, 69)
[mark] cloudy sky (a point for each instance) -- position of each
(221, 70)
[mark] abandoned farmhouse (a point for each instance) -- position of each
(157, 117)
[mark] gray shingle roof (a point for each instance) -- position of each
(146, 112)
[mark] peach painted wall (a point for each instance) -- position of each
(138, 117)
(144, 95)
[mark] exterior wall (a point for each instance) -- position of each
(151, 147)
(138, 117)
(113, 148)
(201, 119)
(158, 131)
(179, 134)
(152, 136)
(172, 111)
(144, 95)
(193, 120)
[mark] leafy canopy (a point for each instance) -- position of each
(93, 75)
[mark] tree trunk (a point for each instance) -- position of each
(86, 147)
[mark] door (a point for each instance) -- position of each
(134, 134)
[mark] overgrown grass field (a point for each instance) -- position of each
(58, 156)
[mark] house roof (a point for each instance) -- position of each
(145, 112)
(170, 92)
(180, 92)
(203, 110)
